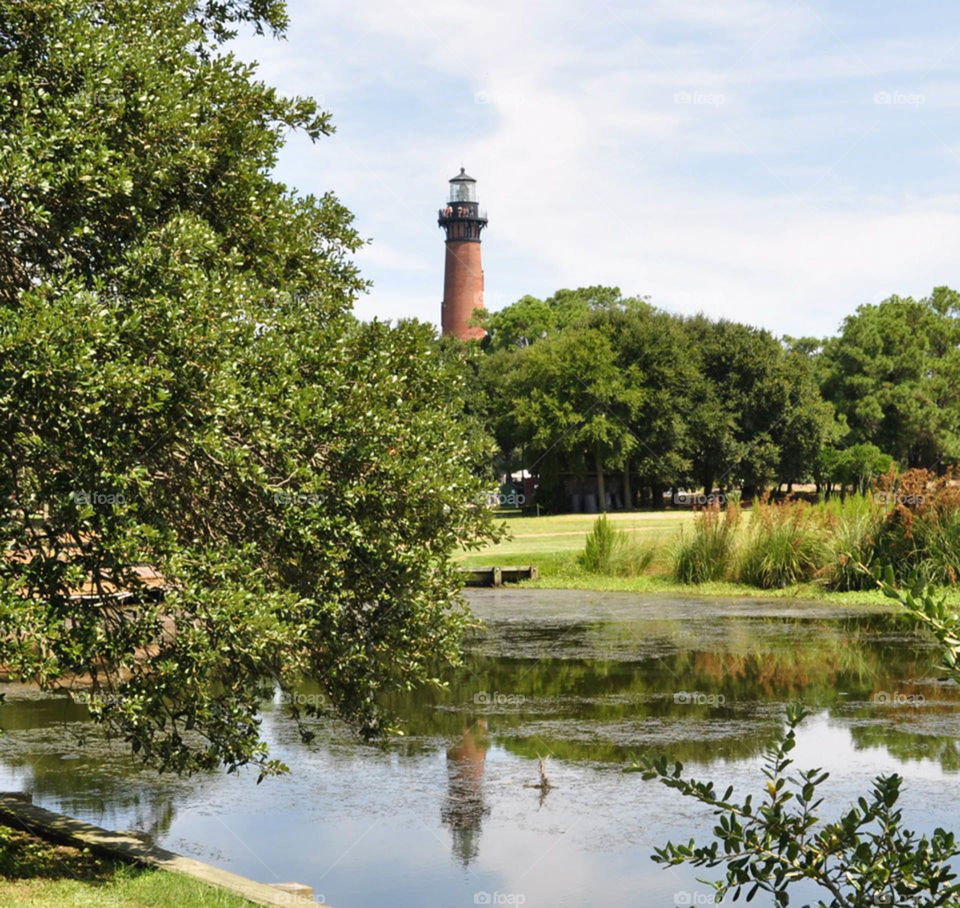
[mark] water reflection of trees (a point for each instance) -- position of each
(596, 692)
(62, 757)
(604, 709)
(909, 745)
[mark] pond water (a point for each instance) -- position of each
(449, 815)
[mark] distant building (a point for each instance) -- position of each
(462, 220)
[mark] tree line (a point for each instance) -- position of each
(589, 389)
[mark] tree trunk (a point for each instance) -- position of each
(627, 491)
(657, 491)
(707, 482)
(601, 487)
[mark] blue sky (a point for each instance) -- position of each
(778, 163)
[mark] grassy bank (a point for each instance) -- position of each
(36, 873)
(554, 544)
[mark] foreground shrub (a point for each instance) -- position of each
(787, 544)
(867, 857)
(708, 553)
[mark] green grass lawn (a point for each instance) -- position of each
(567, 532)
(553, 543)
(38, 874)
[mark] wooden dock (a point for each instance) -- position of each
(498, 576)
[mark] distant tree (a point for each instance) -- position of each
(504, 381)
(808, 423)
(569, 399)
(892, 374)
(738, 403)
(854, 467)
(530, 319)
(518, 325)
(651, 353)
(757, 408)
(696, 402)
(807, 347)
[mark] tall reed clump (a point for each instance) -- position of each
(855, 526)
(612, 552)
(920, 536)
(598, 554)
(708, 552)
(786, 544)
(910, 522)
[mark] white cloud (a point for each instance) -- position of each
(706, 155)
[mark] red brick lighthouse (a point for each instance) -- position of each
(462, 220)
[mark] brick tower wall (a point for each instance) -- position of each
(462, 289)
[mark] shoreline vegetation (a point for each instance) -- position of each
(792, 550)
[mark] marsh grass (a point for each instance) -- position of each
(910, 521)
(920, 535)
(707, 553)
(611, 552)
(854, 528)
(785, 544)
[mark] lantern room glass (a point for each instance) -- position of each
(463, 191)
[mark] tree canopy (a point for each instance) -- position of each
(892, 375)
(617, 384)
(183, 390)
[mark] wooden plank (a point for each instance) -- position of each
(515, 573)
